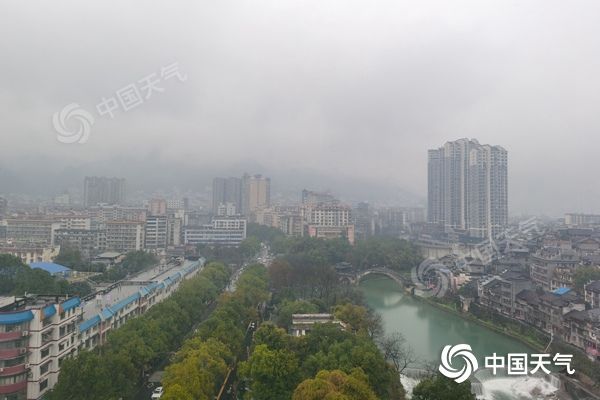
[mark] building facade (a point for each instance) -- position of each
(226, 190)
(103, 190)
(256, 193)
(468, 188)
(222, 231)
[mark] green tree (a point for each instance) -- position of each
(336, 385)
(287, 308)
(70, 257)
(585, 274)
(200, 371)
(9, 267)
(272, 374)
(249, 247)
(441, 388)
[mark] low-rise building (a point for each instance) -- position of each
(89, 242)
(302, 324)
(592, 294)
(546, 310)
(222, 231)
(546, 261)
(32, 230)
(499, 292)
(29, 253)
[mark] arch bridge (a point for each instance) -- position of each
(355, 278)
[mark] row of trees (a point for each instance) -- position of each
(202, 364)
(283, 366)
(116, 369)
(397, 254)
(17, 278)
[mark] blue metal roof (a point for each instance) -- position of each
(49, 311)
(123, 303)
(15, 317)
(106, 313)
(71, 303)
(52, 268)
(562, 290)
(152, 286)
(85, 325)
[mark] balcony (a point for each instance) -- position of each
(15, 370)
(10, 336)
(13, 387)
(9, 354)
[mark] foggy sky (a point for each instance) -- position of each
(346, 90)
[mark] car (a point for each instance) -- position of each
(157, 393)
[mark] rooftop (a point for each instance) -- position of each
(52, 268)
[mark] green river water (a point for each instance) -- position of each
(428, 329)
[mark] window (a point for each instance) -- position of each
(43, 384)
(45, 368)
(46, 352)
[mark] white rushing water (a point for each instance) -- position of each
(487, 387)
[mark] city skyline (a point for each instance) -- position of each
(352, 108)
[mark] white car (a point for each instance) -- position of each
(158, 392)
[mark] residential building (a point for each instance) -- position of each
(89, 242)
(125, 236)
(103, 190)
(328, 221)
(546, 310)
(468, 188)
(222, 231)
(77, 222)
(156, 232)
(39, 230)
(178, 204)
(102, 213)
(549, 264)
(157, 207)
(226, 210)
(3, 207)
(363, 221)
(592, 294)
(291, 222)
(256, 193)
(578, 219)
(29, 253)
(499, 292)
(175, 223)
(226, 190)
(37, 334)
(583, 330)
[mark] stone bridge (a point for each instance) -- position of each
(355, 277)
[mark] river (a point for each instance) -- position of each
(428, 329)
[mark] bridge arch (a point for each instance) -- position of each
(381, 271)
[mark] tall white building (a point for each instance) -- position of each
(468, 187)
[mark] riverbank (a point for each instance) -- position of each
(528, 341)
(585, 383)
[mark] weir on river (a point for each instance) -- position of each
(428, 329)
